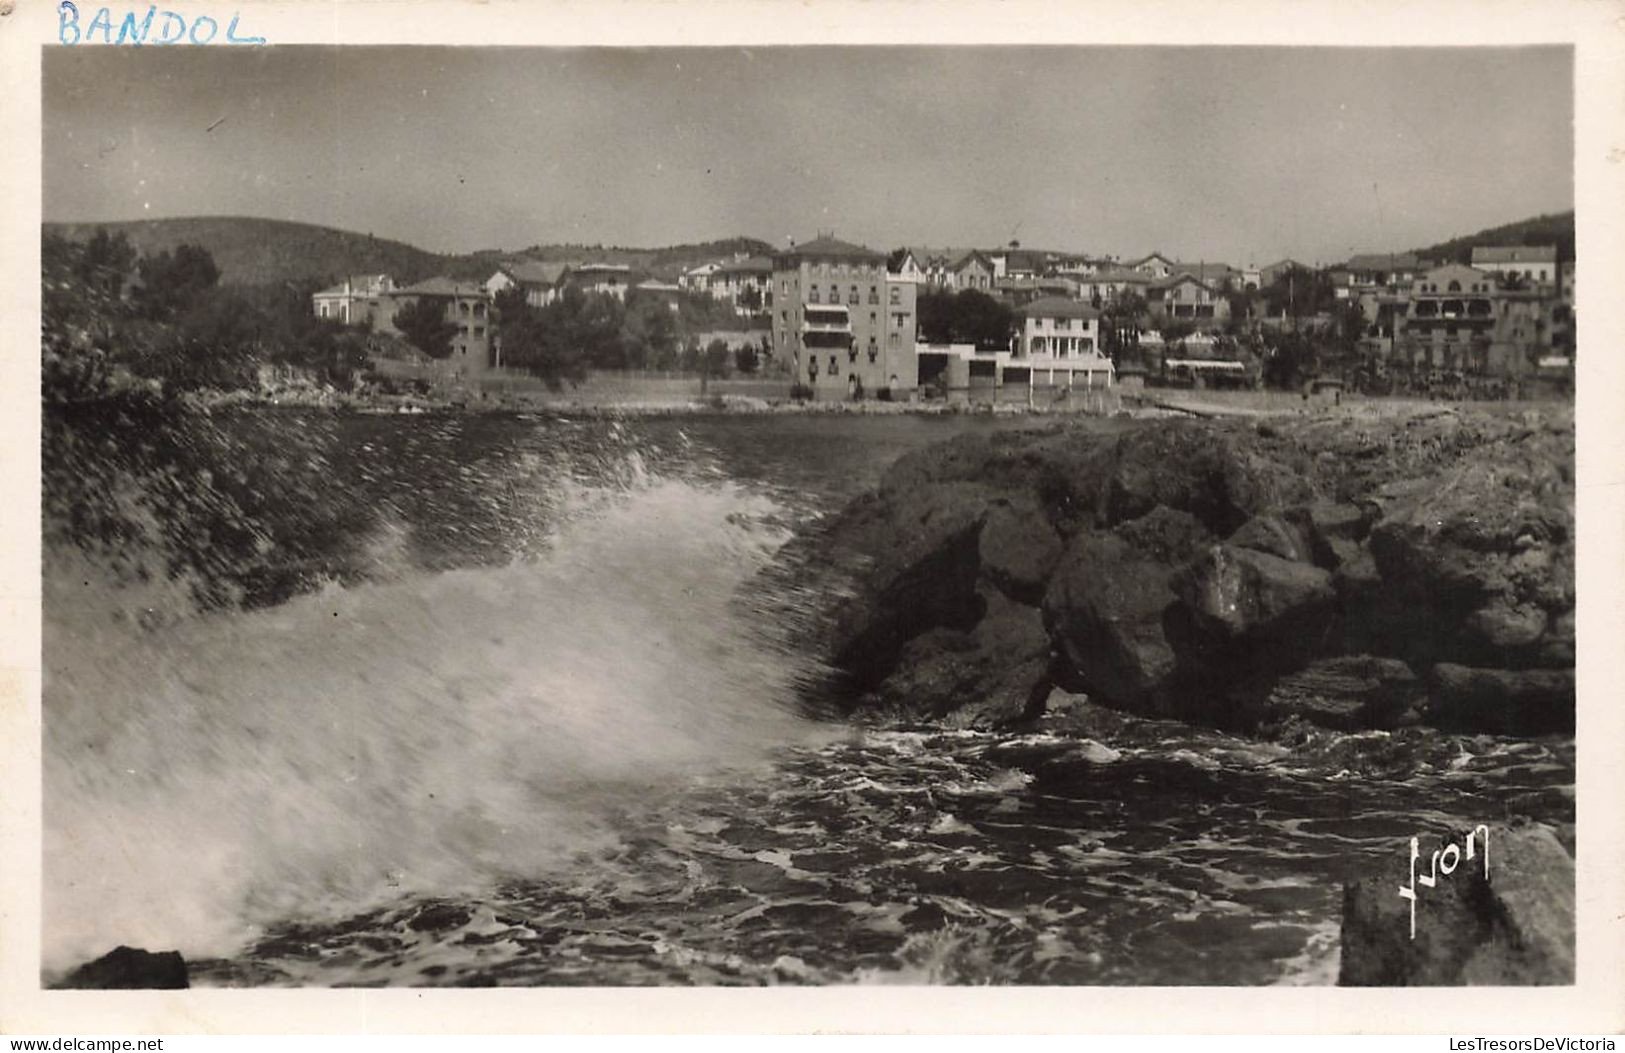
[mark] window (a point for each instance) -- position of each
(874, 294)
(896, 294)
(812, 295)
(832, 365)
(1454, 286)
(834, 293)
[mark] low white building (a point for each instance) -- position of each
(1058, 328)
(1536, 264)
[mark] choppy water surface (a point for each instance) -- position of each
(542, 728)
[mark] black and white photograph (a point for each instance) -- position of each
(1001, 514)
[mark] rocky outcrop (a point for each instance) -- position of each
(995, 674)
(129, 968)
(1503, 701)
(1219, 572)
(1106, 605)
(1514, 926)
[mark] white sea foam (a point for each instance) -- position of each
(432, 733)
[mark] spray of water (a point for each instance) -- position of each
(215, 774)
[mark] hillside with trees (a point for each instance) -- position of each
(252, 251)
(1556, 228)
(269, 252)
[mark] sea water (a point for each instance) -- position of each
(550, 724)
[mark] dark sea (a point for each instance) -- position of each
(546, 724)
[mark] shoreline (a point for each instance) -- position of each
(1146, 404)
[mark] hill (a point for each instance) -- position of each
(1556, 228)
(252, 251)
(267, 251)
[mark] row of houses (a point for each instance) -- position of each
(843, 317)
(544, 282)
(845, 320)
(373, 300)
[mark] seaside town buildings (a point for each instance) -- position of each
(843, 318)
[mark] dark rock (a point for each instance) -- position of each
(1557, 647)
(1106, 602)
(1166, 535)
(1274, 536)
(438, 917)
(991, 676)
(1018, 550)
(1237, 594)
(1515, 927)
(1346, 693)
(1479, 553)
(1213, 473)
(919, 567)
(128, 968)
(1503, 626)
(1501, 701)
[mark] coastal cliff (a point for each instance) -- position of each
(1352, 573)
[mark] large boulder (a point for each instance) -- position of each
(1245, 607)
(991, 676)
(1513, 927)
(1106, 605)
(1213, 472)
(1477, 559)
(1501, 701)
(1345, 693)
(913, 562)
(1018, 549)
(130, 968)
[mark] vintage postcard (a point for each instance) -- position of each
(696, 512)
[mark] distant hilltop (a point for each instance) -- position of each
(1556, 228)
(252, 251)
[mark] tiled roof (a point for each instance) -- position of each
(975, 255)
(1115, 275)
(441, 286)
(1057, 307)
(1514, 254)
(534, 272)
(832, 249)
(1208, 272)
(1179, 278)
(1376, 261)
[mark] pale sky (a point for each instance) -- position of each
(1243, 155)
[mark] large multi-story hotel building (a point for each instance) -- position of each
(841, 323)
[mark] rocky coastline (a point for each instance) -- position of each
(1351, 573)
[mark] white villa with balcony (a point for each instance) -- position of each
(1061, 337)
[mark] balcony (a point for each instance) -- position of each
(827, 319)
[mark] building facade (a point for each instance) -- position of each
(1533, 264)
(354, 301)
(842, 324)
(468, 306)
(972, 271)
(1187, 298)
(1058, 328)
(540, 281)
(745, 284)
